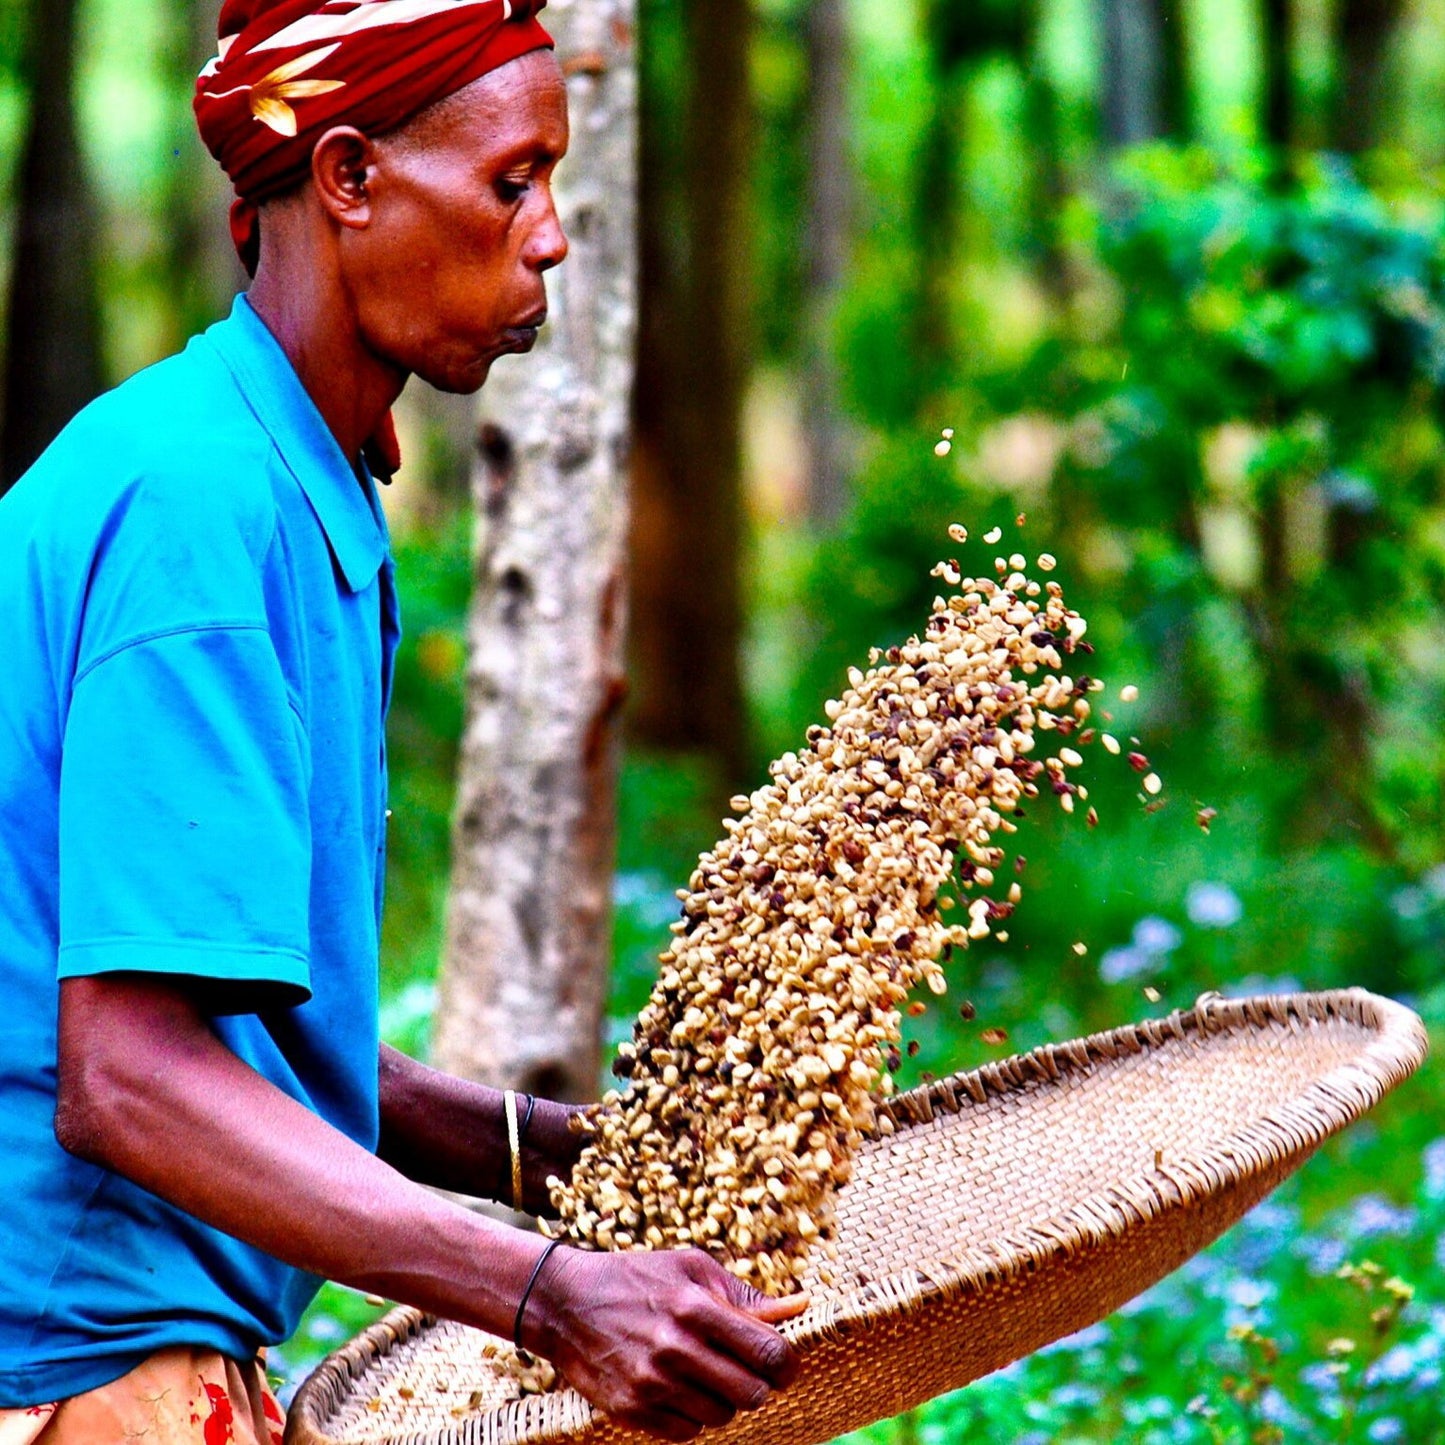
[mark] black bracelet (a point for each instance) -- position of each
(542, 1259)
(526, 1117)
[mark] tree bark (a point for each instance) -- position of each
(1278, 107)
(938, 200)
(528, 939)
(829, 234)
(1364, 30)
(696, 279)
(200, 257)
(52, 354)
(1145, 83)
(1049, 187)
(1176, 97)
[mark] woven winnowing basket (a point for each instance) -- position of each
(1010, 1206)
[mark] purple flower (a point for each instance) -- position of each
(1433, 1158)
(1213, 905)
(1410, 902)
(1394, 1367)
(1318, 1377)
(1373, 1215)
(1322, 1255)
(1119, 965)
(1156, 935)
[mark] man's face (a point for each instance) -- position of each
(449, 274)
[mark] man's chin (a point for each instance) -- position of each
(460, 383)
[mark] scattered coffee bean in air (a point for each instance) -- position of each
(754, 1071)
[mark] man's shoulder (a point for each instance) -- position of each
(183, 419)
(176, 443)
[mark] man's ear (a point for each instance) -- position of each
(343, 164)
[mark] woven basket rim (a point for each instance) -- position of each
(1321, 1109)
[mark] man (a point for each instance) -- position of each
(196, 1120)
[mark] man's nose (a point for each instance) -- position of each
(549, 245)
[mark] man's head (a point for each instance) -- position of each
(407, 147)
(441, 231)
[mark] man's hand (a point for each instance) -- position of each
(666, 1342)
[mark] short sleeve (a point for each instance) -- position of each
(184, 826)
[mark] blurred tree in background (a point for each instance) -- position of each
(52, 359)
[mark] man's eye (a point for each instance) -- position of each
(510, 191)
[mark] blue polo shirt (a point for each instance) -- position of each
(197, 624)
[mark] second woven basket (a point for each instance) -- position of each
(1009, 1207)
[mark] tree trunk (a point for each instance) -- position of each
(1278, 102)
(1176, 95)
(687, 545)
(528, 938)
(1048, 189)
(52, 354)
(200, 258)
(938, 200)
(1364, 30)
(829, 233)
(1145, 89)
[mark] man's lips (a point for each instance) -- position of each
(523, 336)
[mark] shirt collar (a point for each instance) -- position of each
(345, 501)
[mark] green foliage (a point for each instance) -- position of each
(433, 578)
(1256, 421)
(1233, 443)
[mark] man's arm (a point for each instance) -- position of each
(668, 1342)
(452, 1134)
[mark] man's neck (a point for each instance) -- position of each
(309, 315)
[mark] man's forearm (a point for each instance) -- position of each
(666, 1341)
(452, 1134)
(174, 1110)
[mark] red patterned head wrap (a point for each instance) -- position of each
(288, 70)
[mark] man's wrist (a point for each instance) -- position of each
(541, 1310)
(549, 1147)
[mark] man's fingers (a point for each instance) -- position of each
(759, 1305)
(724, 1378)
(698, 1404)
(775, 1311)
(758, 1347)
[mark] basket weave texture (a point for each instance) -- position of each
(1011, 1206)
